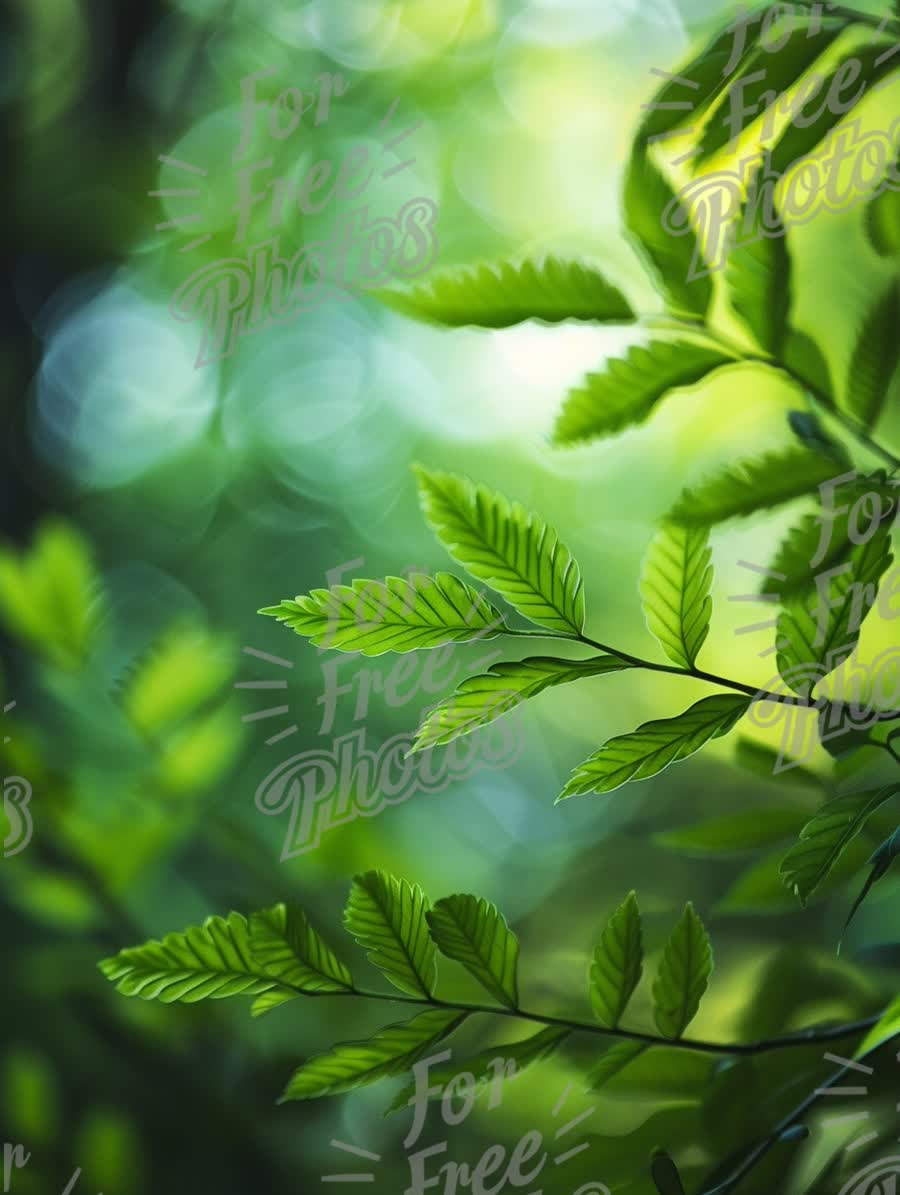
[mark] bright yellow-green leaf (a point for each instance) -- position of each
(514, 552)
(398, 614)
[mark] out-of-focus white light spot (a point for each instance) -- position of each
(573, 22)
(117, 390)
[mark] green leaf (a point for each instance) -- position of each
(675, 589)
(765, 762)
(391, 1051)
(880, 863)
(211, 961)
(183, 671)
(823, 839)
(751, 486)
(397, 614)
(758, 278)
(810, 431)
(514, 552)
(797, 551)
(744, 831)
(628, 389)
(472, 931)
(498, 295)
(653, 746)
(481, 699)
(386, 916)
(797, 142)
(49, 595)
(653, 213)
(683, 975)
(707, 72)
(779, 72)
(814, 641)
(882, 222)
(887, 1028)
(618, 963)
(491, 1065)
(665, 1174)
(289, 949)
(805, 359)
(760, 887)
(874, 359)
(614, 1060)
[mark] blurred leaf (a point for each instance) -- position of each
(107, 1150)
(675, 589)
(628, 389)
(758, 278)
(789, 991)
(796, 141)
(185, 669)
(874, 359)
(198, 754)
(778, 73)
(824, 838)
(742, 831)
(751, 486)
(514, 552)
(882, 222)
(397, 614)
(761, 888)
(650, 202)
(812, 435)
(683, 975)
(618, 963)
(665, 1175)
(652, 747)
(31, 1096)
(880, 862)
(472, 931)
(806, 360)
(291, 951)
(707, 71)
(211, 961)
(614, 1060)
(811, 647)
(54, 898)
(765, 762)
(49, 595)
(483, 1066)
(386, 916)
(665, 1072)
(479, 700)
(354, 1064)
(496, 296)
(887, 1028)
(797, 551)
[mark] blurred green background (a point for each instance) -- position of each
(150, 508)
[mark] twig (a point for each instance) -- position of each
(805, 1037)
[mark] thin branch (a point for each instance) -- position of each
(792, 1118)
(699, 327)
(804, 1037)
(671, 669)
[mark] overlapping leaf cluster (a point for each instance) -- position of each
(277, 956)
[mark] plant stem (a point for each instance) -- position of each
(673, 670)
(804, 1037)
(792, 1118)
(699, 327)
